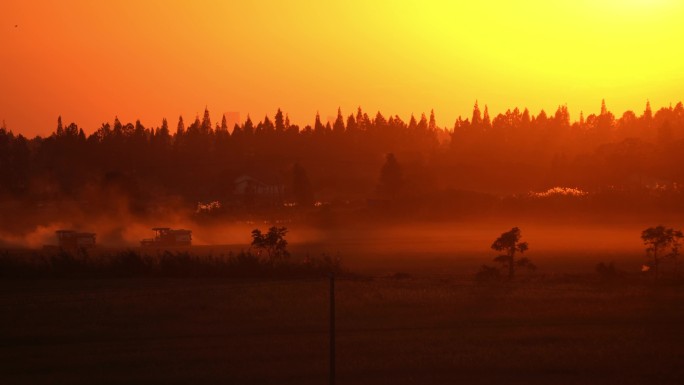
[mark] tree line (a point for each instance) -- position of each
(511, 152)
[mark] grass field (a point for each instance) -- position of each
(419, 330)
(417, 317)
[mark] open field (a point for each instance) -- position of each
(416, 318)
(425, 329)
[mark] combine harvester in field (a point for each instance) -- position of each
(73, 240)
(166, 237)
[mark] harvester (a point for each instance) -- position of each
(166, 237)
(70, 239)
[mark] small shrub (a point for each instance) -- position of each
(488, 274)
(324, 264)
(607, 271)
(128, 263)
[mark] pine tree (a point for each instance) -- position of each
(562, 117)
(164, 129)
(423, 123)
(162, 137)
(180, 128)
(351, 123)
(485, 120)
(279, 122)
(604, 110)
(526, 117)
(509, 243)
(248, 127)
(477, 116)
(206, 122)
(338, 127)
(118, 127)
(237, 130)
(60, 127)
(139, 131)
(412, 124)
(268, 125)
(196, 127)
(318, 126)
(648, 114)
(380, 122)
(361, 123)
(432, 125)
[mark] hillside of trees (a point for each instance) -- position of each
(514, 152)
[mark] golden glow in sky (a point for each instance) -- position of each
(90, 61)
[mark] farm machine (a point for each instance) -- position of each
(166, 237)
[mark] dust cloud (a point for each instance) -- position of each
(382, 245)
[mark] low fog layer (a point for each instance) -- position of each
(382, 245)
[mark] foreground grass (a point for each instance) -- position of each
(394, 331)
(70, 264)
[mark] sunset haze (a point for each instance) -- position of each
(148, 60)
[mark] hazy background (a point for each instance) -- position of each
(89, 61)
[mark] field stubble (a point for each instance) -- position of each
(421, 329)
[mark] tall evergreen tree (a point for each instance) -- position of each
(604, 110)
(648, 114)
(206, 122)
(380, 122)
(180, 128)
(351, 123)
(432, 124)
(318, 126)
(477, 116)
(423, 123)
(486, 122)
(279, 121)
(248, 127)
(412, 125)
(361, 122)
(118, 127)
(525, 119)
(60, 127)
(338, 127)
(162, 137)
(268, 125)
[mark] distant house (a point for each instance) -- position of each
(246, 186)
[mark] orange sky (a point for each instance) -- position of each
(91, 60)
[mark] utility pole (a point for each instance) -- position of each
(332, 328)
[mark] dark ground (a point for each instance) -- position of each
(419, 330)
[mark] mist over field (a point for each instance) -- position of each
(378, 245)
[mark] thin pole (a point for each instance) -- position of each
(332, 329)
